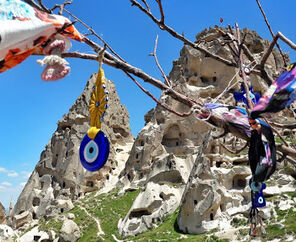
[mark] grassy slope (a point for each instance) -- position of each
(109, 208)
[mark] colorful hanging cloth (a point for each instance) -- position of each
(94, 147)
(240, 96)
(25, 31)
(262, 152)
(232, 119)
(279, 95)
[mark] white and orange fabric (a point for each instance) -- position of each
(25, 30)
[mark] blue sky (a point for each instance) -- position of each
(31, 108)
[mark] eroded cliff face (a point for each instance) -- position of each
(165, 149)
(59, 178)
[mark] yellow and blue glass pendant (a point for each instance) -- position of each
(94, 148)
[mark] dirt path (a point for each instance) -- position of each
(100, 232)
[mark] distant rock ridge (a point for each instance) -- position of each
(59, 178)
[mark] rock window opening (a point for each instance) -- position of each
(211, 216)
(195, 202)
(62, 210)
(90, 184)
(129, 177)
(239, 182)
(34, 215)
(36, 238)
(142, 142)
(54, 162)
(64, 185)
(36, 201)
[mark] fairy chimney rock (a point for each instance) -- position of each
(59, 178)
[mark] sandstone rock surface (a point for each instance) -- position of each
(69, 232)
(2, 214)
(6, 233)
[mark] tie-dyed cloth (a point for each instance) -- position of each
(262, 151)
(25, 30)
(279, 95)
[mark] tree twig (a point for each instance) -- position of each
(172, 32)
(270, 30)
(284, 126)
(157, 101)
(146, 4)
(241, 62)
(62, 6)
(34, 5)
(44, 7)
(161, 11)
(167, 82)
(235, 151)
(95, 34)
(271, 46)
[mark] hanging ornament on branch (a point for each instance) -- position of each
(94, 147)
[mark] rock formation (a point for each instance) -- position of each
(167, 160)
(59, 178)
(2, 214)
(165, 149)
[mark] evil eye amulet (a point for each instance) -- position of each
(94, 153)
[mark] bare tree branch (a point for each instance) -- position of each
(163, 26)
(241, 63)
(61, 6)
(271, 46)
(270, 30)
(158, 102)
(167, 82)
(34, 5)
(284, 126)
(44, 7)
(146, 4)
(94, 33)
(161, 11)
(235, 151)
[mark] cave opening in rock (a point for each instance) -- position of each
(239, 182)
(36, 201)
(211, 216)
(90, 184)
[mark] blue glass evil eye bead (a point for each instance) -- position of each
(94, 152)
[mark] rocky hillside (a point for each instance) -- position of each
(167, 186)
